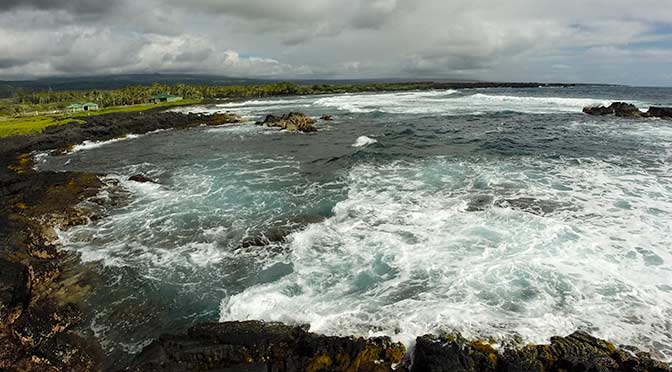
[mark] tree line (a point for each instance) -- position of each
(132, 95)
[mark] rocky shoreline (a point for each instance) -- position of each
(42, 290)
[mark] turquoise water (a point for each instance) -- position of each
(497, 213)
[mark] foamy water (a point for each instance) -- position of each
(404, 256)
(442, 102)
(495, 213)
(88, 145)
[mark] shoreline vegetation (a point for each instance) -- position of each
(44, 290)
(32, 112)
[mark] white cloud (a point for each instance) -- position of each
(482, 39)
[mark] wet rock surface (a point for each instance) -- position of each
(578, 352)
(258, 346)
(36, 311)
(539, 207)
(224, 118)
(621, 109)
(141, 179)
(293, 122)
(627, 110)
(660, 112)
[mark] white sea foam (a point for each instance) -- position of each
(396, 103)
(439, 102)
(88, 145)
(450, 103)
(364, 141)
(403, 256)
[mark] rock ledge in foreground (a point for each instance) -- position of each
(258, 346)
(578, 352)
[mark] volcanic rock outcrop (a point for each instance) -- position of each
(293, 122)
(258, 346)
(628, 110)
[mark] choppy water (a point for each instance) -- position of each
(493, 212)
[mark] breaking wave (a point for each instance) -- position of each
(364, 141)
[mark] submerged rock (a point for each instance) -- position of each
(327, 117)
(293, 122)
(479, 203)
(577, 352)
(278, 232)
(141, 179)
(259, 346)
(539, 207)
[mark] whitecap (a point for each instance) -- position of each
(364, 141)
(88, 145)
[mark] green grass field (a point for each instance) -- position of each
(10, 126)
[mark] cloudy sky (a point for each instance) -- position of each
(605, 41)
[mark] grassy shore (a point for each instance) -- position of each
(13, 126)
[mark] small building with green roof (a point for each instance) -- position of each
(164, 97)
(75, 107)
(88, 106)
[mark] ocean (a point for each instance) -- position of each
(499, 213)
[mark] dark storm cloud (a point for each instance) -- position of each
(11, 62)
(73, 6)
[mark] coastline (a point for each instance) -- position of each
(42, 309)
(31, 124)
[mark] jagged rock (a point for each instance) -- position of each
(11, 349)
(293, 122)
(14, 290)
(452, 353)
(258, 346)
(141, 179)
(598, 110)
(224, 118)
(43, 273)
(44, 320)
(326, 117)
(578, 352)
(68, 351)
(659, 112)
(626, 110)
(621, 109)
